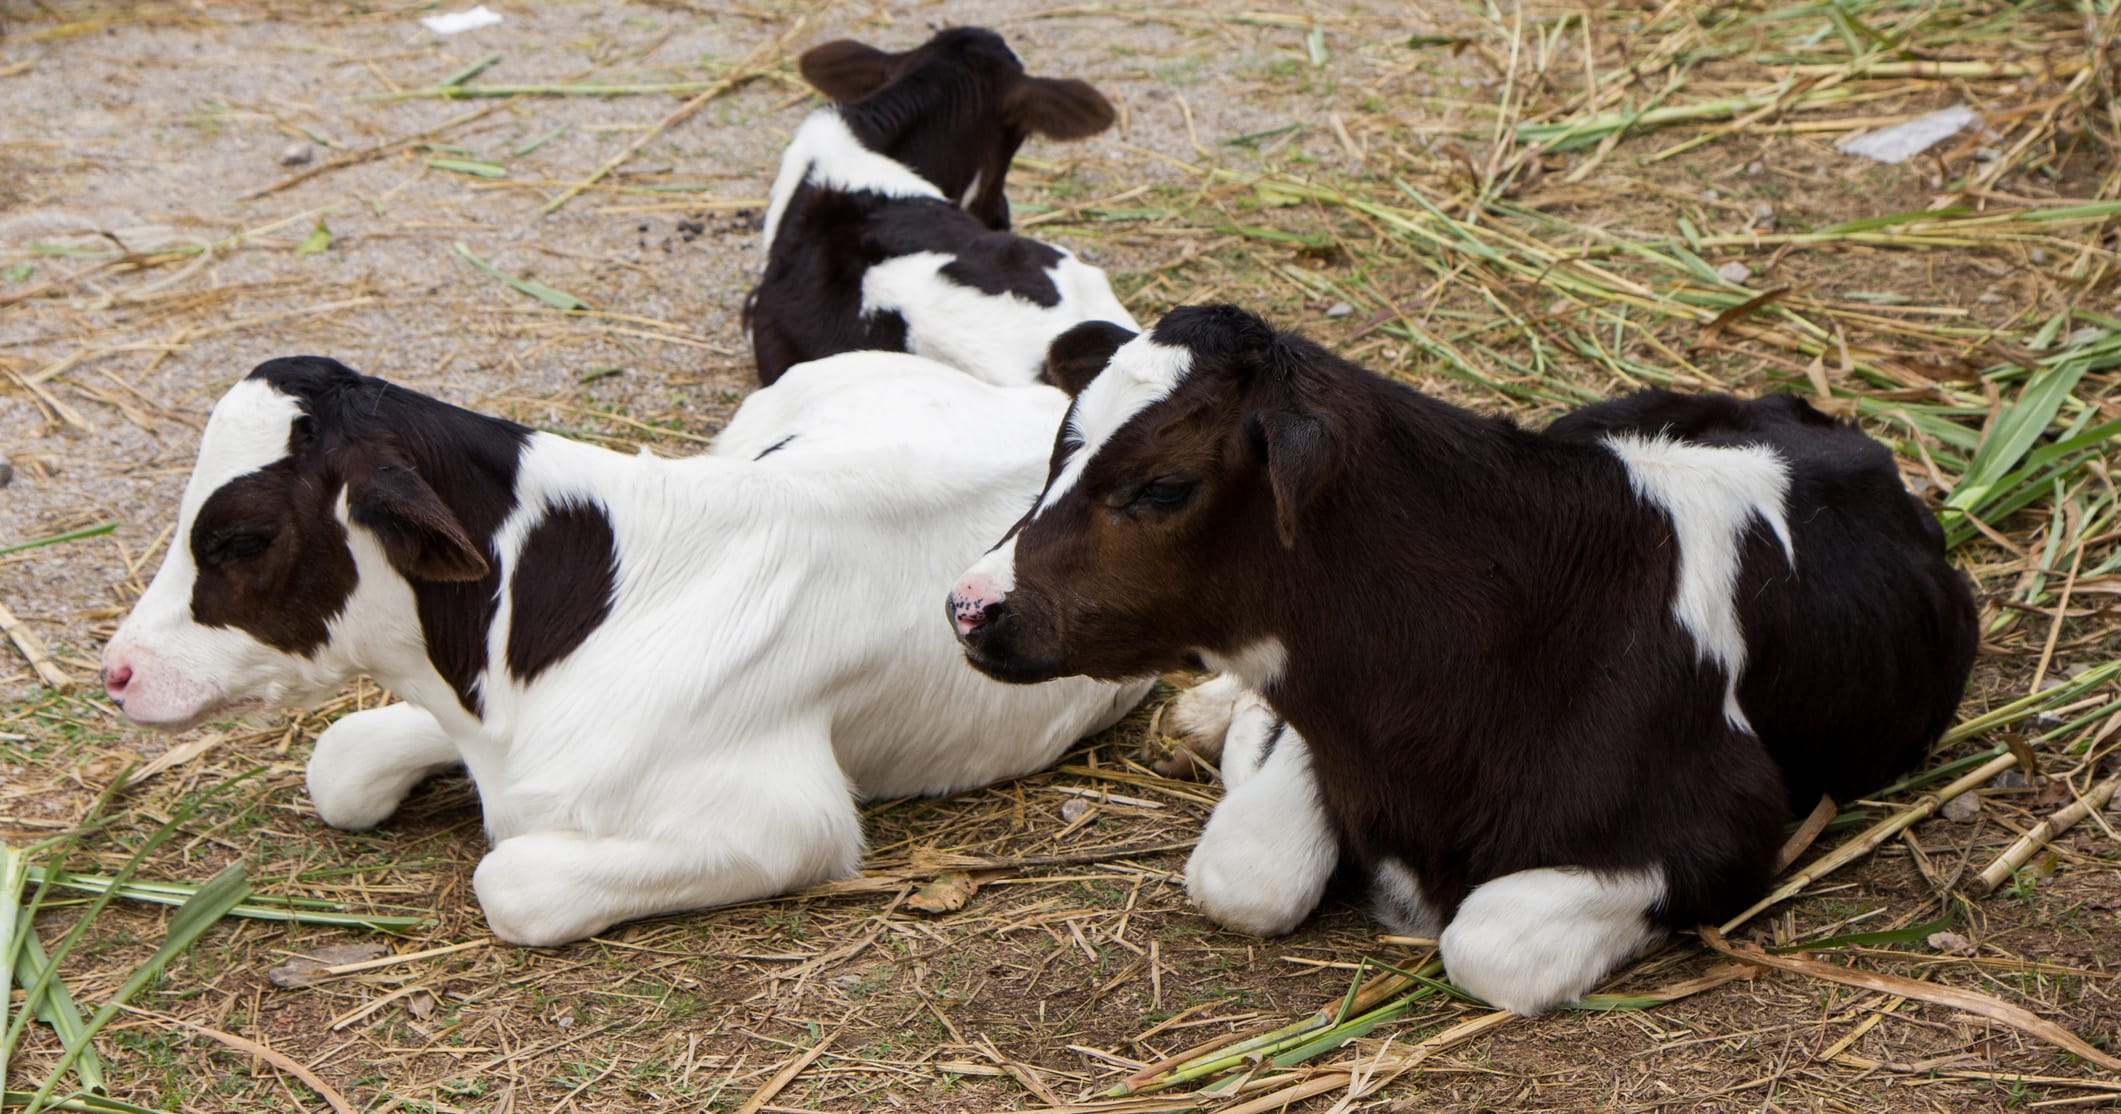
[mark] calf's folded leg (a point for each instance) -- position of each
(364, 764)
(551, 887)
(1529, 941)
(1268, 851)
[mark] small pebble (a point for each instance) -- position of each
(1339, 309)
(1073, 809)
(1755, 169)
(7, 472)
(2086, 334)
(2008, 779)
(2039, 257)
(297, 154)
(1989, 297)
(1734, 271)
(1987, 154)
(1962, 809)
(1763, 216)
(566, 1022)
(1709, 193)
(1950, 943)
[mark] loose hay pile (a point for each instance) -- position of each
(1520, 209)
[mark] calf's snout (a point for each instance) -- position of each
(116, 675)
(975, 603)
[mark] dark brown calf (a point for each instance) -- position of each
(1555, 688)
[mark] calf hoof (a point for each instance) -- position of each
(1199, 718)
(526, 903)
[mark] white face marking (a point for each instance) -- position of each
(1258, 665)
(993, 576)
(1140, 374)
(181, 669)
(1712, 494)
(826, 154)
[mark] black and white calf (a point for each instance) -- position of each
(1556, 691)
(671, 680)
(887, 228)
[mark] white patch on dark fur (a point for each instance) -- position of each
(1258, 664)
(1397, 900)
(1269, 849)
(826, 154)
(1529, 941)
(1140, 374)
(1001, 338)
(1712, 494)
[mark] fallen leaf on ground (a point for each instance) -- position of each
(301, 970)
(946, 894)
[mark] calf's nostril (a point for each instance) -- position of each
(969, 614)
(116, 678)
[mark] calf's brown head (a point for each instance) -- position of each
(1180, 482)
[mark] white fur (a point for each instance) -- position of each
(1264, 859)
(1529, 941)
(1201, 715)
(248, 431)
(1000, 338)
(1258, 664)
(1712, 493)
(1397, 900)
(826, 154)
(770, 657)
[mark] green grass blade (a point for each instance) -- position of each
(56, 1008)
(14, 871)
(225, 891)
(86, 1104)
(557, 299)
(262, 907)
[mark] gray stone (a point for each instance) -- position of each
(297, 154)
(1962, 809)
(1339, 309)
(1734, 272)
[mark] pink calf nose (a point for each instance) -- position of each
(971, 611)
(115, 678)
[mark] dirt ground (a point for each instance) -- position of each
(187, 189)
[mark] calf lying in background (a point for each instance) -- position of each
(671, 680)
(887, 227)
(1556, 690)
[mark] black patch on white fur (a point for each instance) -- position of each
(562, 586)
(469, 460)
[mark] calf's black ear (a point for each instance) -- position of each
(845, 70)
(1076, 356)
(423, 540)
(1301, 456)
(1058, 108)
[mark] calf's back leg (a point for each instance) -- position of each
(364, 764)
(752, 834)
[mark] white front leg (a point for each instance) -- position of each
(364, 764)
(1268, 851)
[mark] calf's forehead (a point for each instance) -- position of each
(247, 431)
(1141, 373)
